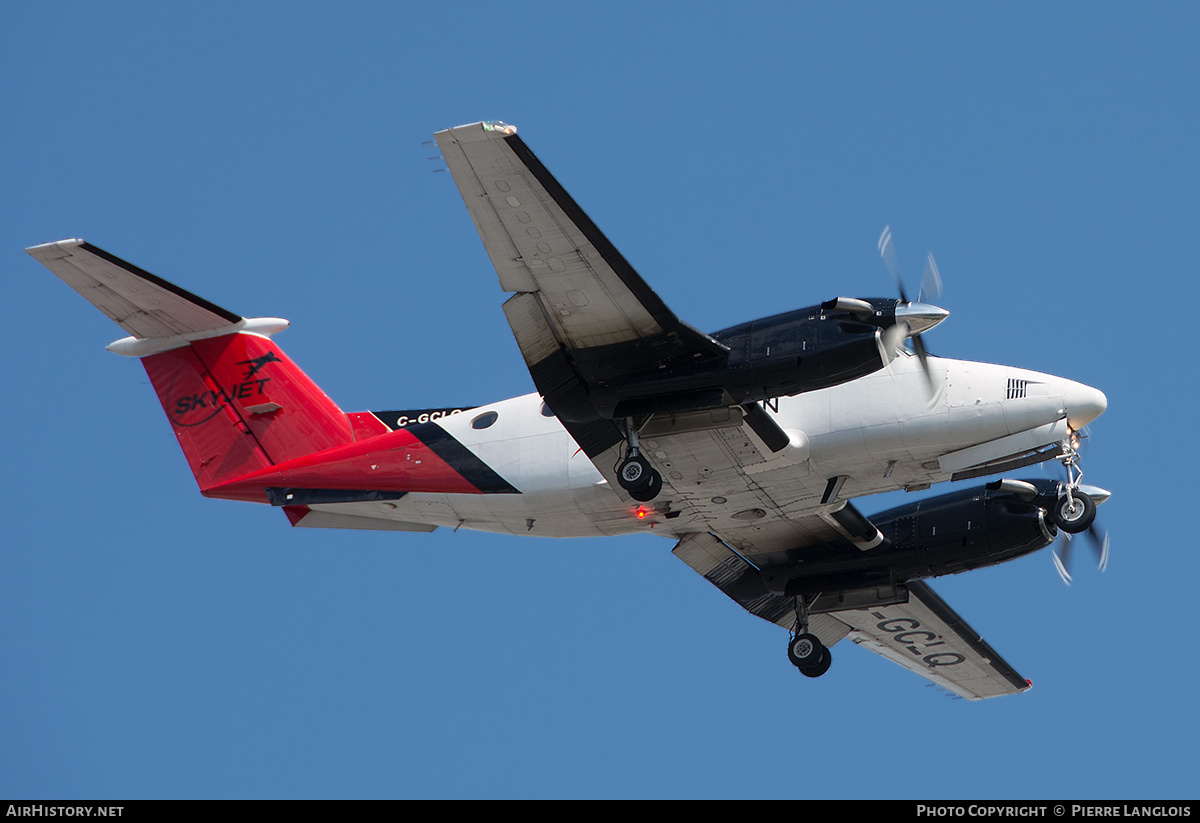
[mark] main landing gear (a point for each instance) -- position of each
(805, 650)
(635, 474)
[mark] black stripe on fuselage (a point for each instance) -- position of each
(461, 459)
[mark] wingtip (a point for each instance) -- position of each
(72, 241)
(481, 130)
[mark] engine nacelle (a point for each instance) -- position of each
(806, 349)
(782, 355)
(969, 529)
(951, 533)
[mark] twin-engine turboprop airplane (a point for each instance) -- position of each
(745, 446)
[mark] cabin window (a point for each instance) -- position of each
(484, 420)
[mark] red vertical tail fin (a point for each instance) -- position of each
(238, 404)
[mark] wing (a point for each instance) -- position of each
(583, 317)
(908, 624)
(928, 637)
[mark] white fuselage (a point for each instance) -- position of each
(893, 429)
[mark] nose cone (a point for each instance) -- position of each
(1083, 404)
(920, 316)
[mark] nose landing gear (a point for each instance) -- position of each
(1075, 510)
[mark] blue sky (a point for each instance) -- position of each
(270, 158)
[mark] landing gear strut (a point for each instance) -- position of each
(805, 650)
(635, 474)
(1075, 511)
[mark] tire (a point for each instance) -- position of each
(634, 473)
(804, 651)
(651, 489)
(820, 667)
(1076, 514)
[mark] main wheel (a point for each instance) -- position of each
(805, 650)
(1076, 513)
(650, 491)
(635, 473)
(820, 667)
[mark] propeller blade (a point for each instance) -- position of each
(1062, 567)
(931, 282)
(1100, 544)
(1061, 553)
(893, 339)
(1079, 440)
(887, 250)
(919, 347)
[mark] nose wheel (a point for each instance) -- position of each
(1074, 512)
(635, 474)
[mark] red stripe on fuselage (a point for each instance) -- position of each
(396, 461)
